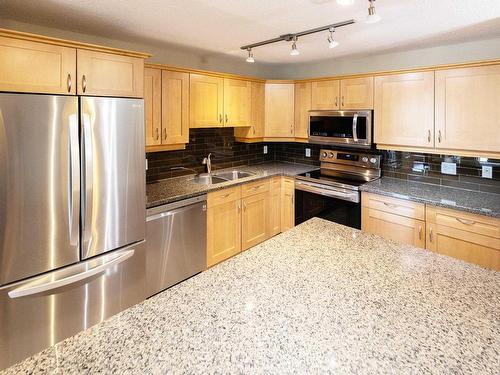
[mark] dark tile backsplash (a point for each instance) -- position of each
(228, 153)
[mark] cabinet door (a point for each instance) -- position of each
(106, 74)
(152, 106)
(36, 67)
(325, 95)
(468, 108)
(302, 107)
(223, 231)
(254, 220)
(274, 213)
(394, 227)
(257, 102)
(206, 101)
(237, 102)
(356, 93)
(287, 203)
(175, 107)
(404, 109)
(279, 108)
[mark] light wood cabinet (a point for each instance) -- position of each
(254, 219)
(472, 238)
(152, 106)
(237, 102)
(356, 93)
(274, 217)
(279, 110)
(106, 74)
(257, 102)
(325, 95)
(223, 225)
(404, 110)
(175, 107)
(302, 108)
(468, 109)
(206, 101)
(35, 67)
(287, 203)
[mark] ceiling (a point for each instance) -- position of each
(222, 26)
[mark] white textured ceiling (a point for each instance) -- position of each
(222, 26)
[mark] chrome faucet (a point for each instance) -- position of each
(206, 161)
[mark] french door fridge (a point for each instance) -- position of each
(72, 216)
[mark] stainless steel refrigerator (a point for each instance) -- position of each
(72, 216)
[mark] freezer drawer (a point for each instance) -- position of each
(176, 243)
(39, 312)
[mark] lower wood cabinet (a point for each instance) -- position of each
(254, 219)
(287, 203)
(274, 216)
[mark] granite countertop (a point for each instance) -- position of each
(177, 188)
(459, 199)
(319, 298)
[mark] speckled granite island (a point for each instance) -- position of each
(459, 199)
(177, 188)
(319, 298)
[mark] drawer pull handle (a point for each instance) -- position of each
(430, 234)
(257, 187)
(420, 232)
(466, 222)
(392, 205)
(226, 195)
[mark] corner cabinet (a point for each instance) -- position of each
(279, 110)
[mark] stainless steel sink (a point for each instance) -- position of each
(207, 179)
(233, 175)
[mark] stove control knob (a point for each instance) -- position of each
(373, 160)
(331, 155)
(364, 159)
(323, 155)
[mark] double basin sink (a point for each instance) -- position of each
(217, 178)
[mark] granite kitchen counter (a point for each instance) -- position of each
(319, 298)
(460, 199)
(177, 188)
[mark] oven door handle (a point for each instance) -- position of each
(355, 127)
(334, 193)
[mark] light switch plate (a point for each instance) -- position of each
(487, 171)
(308, 152)
(448, 168)
(265, 149)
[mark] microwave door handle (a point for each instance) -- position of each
(355, 127)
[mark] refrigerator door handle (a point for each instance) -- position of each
(37, 288)
(74, 182)
(88, 182)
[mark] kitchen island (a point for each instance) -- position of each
(319, 298)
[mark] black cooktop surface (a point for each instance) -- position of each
(331, 180)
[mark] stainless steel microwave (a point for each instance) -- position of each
(341, 128)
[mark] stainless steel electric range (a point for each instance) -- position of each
(332, 192)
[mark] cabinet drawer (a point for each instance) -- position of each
(256, 187)
(465, 221)
(395, 206)
(288, 183)
(276, 182)
(223, 196)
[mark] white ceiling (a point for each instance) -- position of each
(222, 26)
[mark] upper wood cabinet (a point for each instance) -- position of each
(106, 74)
(404, 109)
(257, 102)
(237, 102)
(302, 108)
(175, 107)
(35, 67)
(468, 109)
(279, 110)
(325, 95)
(152, 106)
(206, 101)
(356, 93)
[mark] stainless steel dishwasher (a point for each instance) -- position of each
(176, 242)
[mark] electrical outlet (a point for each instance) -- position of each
(265, 149)
(448, 168)
(146, 164)
(487, 171)
(308, 152)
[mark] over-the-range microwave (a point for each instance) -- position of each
(341, 128)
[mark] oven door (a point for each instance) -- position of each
(344, 128)
(341, 206)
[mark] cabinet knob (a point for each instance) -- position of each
(428, 136)
(336, 101)
(157, 134)
(342, 100)
(430, 234)
(220, 118)
(226, 119)
(439, 136)
(164, 134)
(84, 83)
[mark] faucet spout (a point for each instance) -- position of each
(208, 162)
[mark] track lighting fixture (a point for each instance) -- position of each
(294, 51)
(250, 58)
(332, 43)
(345, 2)
(372, 14)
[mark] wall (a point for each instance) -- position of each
(220, 142)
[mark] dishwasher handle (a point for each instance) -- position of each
(174, 212)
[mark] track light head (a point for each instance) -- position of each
(332, 43)
(294, 51)
(372, 17)
(250, 58)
